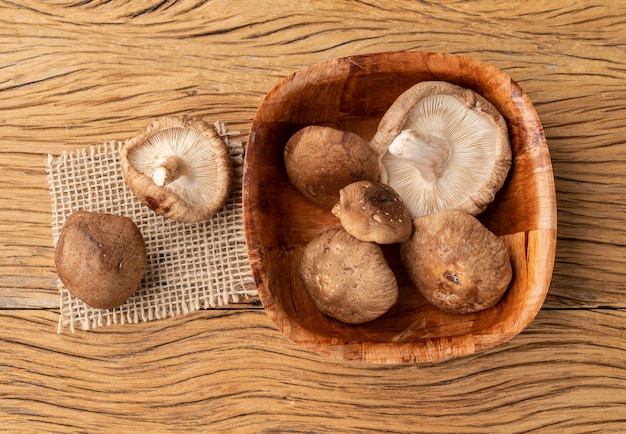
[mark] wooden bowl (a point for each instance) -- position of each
(353, 93)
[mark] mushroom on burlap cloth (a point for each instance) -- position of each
(180, 167)
(100, 258)
(190, 266)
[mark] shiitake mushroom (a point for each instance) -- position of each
(456, 263)
(346, 278)
(321, 160)
(371, 211)
(443, 146)
(180, 167)
(100, 258)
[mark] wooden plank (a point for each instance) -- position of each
(76, 73)
(231, 370)
(80, 73)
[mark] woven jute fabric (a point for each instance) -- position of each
(190, 266)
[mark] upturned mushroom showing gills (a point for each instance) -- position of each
(456, 263)
(180, 167)
(374, 212)
(347, 279)
(321, 160)
(442, 146)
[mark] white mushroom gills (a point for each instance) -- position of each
(182, 160)
(428, 153)
(181, 167)
(443, 155)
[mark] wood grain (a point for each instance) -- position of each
(225, 371)
(80, 72)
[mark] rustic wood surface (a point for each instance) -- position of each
(79, 72)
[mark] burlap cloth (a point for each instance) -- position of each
(190, 266)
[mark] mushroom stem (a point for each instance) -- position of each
(170, 170)
(428, 153)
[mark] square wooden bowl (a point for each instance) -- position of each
(353, 93)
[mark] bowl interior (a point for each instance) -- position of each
(353, 94)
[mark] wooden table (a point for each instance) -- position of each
(77, 73)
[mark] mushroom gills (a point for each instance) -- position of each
(428, 153)
(180, 167)
(443, 147)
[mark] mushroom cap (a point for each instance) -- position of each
(371, 211)
(100, 258)
(451, 148)
(456, 263)
(347, 279)
(205, 170)
(321, 160)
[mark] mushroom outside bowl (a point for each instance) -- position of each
(353, 94)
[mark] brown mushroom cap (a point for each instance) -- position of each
(443, 146)
(456, 263)
(347, 279)
(100, 258)
(180, 167)
(371, 211)
(320, 161)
